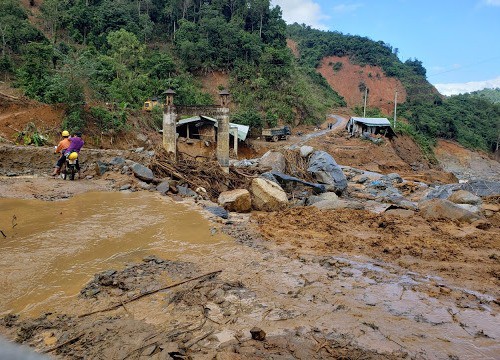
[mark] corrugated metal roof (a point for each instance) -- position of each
(372, 121)
(242, 129)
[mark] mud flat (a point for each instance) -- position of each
(311, 284)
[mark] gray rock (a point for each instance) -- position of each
(338, 204)
(306, 150)
(139, 149)
(125, 187)
(444, 209)
(472, 208)
(238, 200)
(218, 211)
(326, 171)
(101, 168)
(360, 179)
(330, 196)
(394, 177)
(117, 161)
(482, 188)
(267, 195)
(274, 160)
(163, 187)
(185, 191)
(442, 191)
(142, 172)
(465, 197)
(143, 185)
(11, 174)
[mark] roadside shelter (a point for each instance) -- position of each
(369, 126)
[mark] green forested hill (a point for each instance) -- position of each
(124, 51)
(77, 52)
(472, 120)
(492, 95)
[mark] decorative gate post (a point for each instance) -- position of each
(223, 132)
(169, 124)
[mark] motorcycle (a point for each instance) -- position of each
(71, 166)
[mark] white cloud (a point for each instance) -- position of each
(303, 12)
(346, 8)
(492, 2)
(461, 88)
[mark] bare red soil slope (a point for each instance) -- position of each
(348, 79)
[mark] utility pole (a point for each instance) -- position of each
(395, 108)
(364, 107)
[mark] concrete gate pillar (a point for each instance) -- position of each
(223, 132)
(169, 124)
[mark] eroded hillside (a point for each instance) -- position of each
(350, 80)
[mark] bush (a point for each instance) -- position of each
(74, 121)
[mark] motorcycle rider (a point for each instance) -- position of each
(61, 147)
(76, 144)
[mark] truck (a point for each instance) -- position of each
(150, 104)
(277, 133)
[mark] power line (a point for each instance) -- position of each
(465, 66)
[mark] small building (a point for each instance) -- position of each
(203, 128)
(369, 126)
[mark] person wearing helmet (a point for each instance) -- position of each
(76, 144)
(61, 148)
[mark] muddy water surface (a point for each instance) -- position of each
(52, 249)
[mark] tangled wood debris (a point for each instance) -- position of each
(207, 174)
(296, 165)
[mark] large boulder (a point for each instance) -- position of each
(338, 204)
(142, 172)
(267, 195)
(444, 209)
(238, 200)
(464, 197)
(163, 187)
(326, 196)
(273, 160)
(327, 171)
(306, 150)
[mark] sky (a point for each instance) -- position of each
(458, 41)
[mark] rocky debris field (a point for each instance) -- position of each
(329, 261)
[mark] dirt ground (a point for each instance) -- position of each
(321, 284)
(346, 81)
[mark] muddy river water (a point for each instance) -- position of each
(50, 250)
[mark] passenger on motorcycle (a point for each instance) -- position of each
(61, 148)
(76, 144)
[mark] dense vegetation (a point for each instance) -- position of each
(492, 95)
(86, 53)
(125, 51)
(315, 45)
(472, 120)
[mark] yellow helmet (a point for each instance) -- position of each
(73, 155)
(65, 133)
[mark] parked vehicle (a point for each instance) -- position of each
(277, 133)
(150, 104)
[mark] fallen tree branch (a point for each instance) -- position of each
(64, 343)
(122, 303)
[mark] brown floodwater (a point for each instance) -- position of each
(50, 250)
